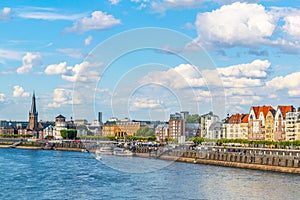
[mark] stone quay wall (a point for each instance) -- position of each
(278, 160)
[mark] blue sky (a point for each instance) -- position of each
(241, 54)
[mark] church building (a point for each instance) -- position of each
(34, 127)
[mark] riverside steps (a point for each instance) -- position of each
(278, 160)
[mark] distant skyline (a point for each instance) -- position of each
(54, 48)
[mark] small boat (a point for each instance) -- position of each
(122, 152)
(106, 150)
(98, 157)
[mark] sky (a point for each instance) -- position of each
(146, 59)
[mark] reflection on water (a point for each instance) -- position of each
(27, 174)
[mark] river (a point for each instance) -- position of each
(38, 174)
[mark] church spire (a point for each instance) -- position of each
(33, 124)
(33, 105)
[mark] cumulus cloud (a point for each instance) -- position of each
(290, 83)
(20, 92)
(60, 68)
(236, 24)
(186, 75)
(29, 61)
(98, 21)
(145, 103)
(2, 98)
(242, 84)
(292, 24)
(88, 40)
(83, 72)
(182, 76)
(61, 97)
(255, 69)
(5, 14)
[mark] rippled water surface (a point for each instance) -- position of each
(31, 174)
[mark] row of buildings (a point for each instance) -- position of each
(51, 129)
(261, 123)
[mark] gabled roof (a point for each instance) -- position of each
(285, 109)
(245, 118)
(238, 118)
(235, 119)
(264, 109)
(60, 116)
(273, 112)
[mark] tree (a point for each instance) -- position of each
(145, 132)
(69, 133)
(193, 119)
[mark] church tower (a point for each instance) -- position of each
(33, 116)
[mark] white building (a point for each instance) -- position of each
(210, 126)
(60, 124)
(290, 125)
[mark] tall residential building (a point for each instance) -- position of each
(184, 114)
(210, 126)
(162, 132)
(177, 127)
(280, 120)
(297, 127)
(256, 122)
(290, 125)
(244, 126)
(100, 118)
(269, 125)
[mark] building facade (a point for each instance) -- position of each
(177, 128)
(256, 122)
(210, 126)
(34, 127)
(269, 125)
(290, 125)
(280, 120)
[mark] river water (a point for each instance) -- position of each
(37, 174)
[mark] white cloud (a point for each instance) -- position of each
(5, 14)
(2, 98)
(60, 68)
(29, 61)
(182, 76)
(292, 24)
(255, 69)
(61, 97)
(163, 5)
(98, 21)
(12, 55)
(73, 53)
(242, 84)
(290, 83)
(20, 92)
(145, 103)
(83, 72)
(46, 13)
(236, 76)
(88, 40)
(236, 24)
(114, 2)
